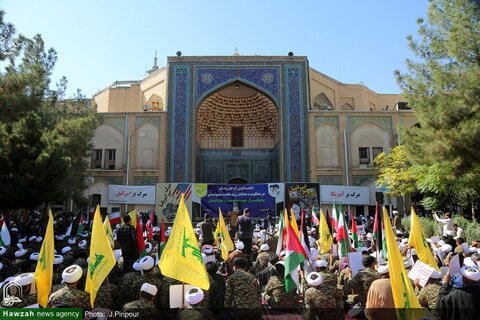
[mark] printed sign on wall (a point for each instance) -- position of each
(345, 195)
(131, 194)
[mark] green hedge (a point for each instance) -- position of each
(430, 227)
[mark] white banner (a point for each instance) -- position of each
(131, 194)
(345, 195)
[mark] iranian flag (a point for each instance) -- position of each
(282, 232)
(294, 256)
(4, 233)
(335, 216)
(342, 236)
(315, 220)
(140, 241)
(356, 243)
(377, 229)
(115, 217)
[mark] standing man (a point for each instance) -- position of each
(459, 231)
(127, 239)
(208, 228)
(245, 231)
(447, 222)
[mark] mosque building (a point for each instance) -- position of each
(240, 120)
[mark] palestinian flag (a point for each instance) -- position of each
(5, 238)
(163, 239)
(282, 230)
(304, 235)
(73, 227)
(294, 256)
(342, 236)
(356, 243)
(140, 241)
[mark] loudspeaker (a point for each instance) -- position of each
(379, 197)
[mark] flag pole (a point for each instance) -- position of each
(183, 295)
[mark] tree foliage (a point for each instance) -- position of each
(442, 87)
(43, 143)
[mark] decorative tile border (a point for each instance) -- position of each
(355, 122)
(319, 120)
(139, 121)
(190, 80)
(118, 123)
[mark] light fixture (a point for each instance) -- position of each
(237, 86)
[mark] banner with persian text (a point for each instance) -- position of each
(131, 194)
(230, 197)
(345, 195)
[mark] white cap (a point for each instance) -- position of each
(136, 266)
(451, 233)
(14, 229)
(314, 279)
(383, 268)
(2, 250)
(313, 253)
(32, 238)
(240, 245)
(149, 288)
(148, 247)
(441, 243)
(264, 247)
(147, 263)
(57, 259)
(84, 234)
(66, 249)
(117, 253)
(22, 240)
(208, 249)
(34, 256)
(405, 240)
(320, 263)
(446, 248)
(19, 245)
(71, 241)
(25, 279)
(72, 274)
(194, 295)
(39, 239)
(20, 253)
(394, 211)
(82, 244)
(471, 273)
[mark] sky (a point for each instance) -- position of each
(102, 41)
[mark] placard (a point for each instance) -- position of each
(208, 259)
(345, 195)
(355, 262)
(421, 271)
(131, 194)
(454, 265)
(177, 294)
(168, 197)
(300, 196)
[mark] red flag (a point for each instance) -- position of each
(356, 243)
(140, 241)
(149, 225)
(314, 218)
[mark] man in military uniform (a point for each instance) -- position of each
(428, 295)
(361, 282)
(69, 294)
(322, 301)
(263, 258)
(143, 308)
(235, 254)
(196, 310)
(242, 296)
(127, 239)
(128, 280)
(108, 297)
(275, 293)
(147, 264)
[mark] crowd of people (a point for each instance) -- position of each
(250, 282)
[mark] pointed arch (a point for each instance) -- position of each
(321, 102)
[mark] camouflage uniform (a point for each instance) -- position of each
(262, 261)
(192, 313)
(428, 295)
(128, 280)
(342, 278)
(56, 278)
(243, 296)
(276, 296)
(70, 295)
(108, 297)
(360, 285)
(27, 300)
(328, 278)
(323, 302)
(145, 308)
(159, 299)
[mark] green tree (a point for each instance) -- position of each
(441, 86)
(396, 175)
(43, 142)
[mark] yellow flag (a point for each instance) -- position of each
(294, 224)
(325, 242)
(181, 257)
(102, 259)
(133, 216)
(108, 231)
(406, 302)
(417, 240)
(44, 269)
(227, 243)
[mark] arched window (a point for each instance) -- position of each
(347, 106)
(321, 102)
